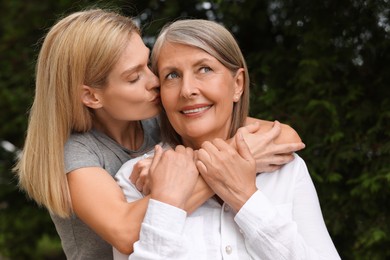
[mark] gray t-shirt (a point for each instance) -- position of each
(95, 149)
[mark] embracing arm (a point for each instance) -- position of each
(271, 143)
(100, 203)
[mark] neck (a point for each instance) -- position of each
(196, 142)
(128, 135)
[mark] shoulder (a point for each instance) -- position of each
(79, 140)
(287, 133)
(289, 174)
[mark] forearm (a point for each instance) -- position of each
(125, 227)
(107, 213)
(118, 224)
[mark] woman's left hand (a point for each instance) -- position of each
(229, 172)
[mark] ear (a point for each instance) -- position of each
(239, 84)
(90, 97)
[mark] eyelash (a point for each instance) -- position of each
(171, 73)
(206, 67)
(200, 69)
(135, 80)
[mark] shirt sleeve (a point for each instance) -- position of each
(161, 235)
(78, 153)
(271, 235)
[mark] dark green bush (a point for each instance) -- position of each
(320, 66)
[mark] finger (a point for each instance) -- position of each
(146, 188)
(204, 157)
(139, 184)
(282, 159)
(275, 131)
(180, 149)
(242, 147)
(139, 168)
(251, 128)
(288, 148)
(209, 147)
(201, 167)
(157, 156)
(135, 173)
(190, 152)
(221, 145)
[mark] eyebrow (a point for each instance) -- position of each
(131, 70)
(203, 60)
(197, 63)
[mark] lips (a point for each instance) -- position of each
(195, 110)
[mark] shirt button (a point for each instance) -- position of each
(227, 208)
(228, 250)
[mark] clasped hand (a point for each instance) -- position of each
(227, 169)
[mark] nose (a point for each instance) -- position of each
(189, 88)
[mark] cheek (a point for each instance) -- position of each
(168, 98)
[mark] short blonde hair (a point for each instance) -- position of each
(80, 49)
(217, 41)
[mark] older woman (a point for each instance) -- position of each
(95, 107)
(205, 95)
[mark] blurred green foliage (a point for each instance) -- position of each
(320, 66)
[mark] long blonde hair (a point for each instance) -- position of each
(81, 49)
(217, 41)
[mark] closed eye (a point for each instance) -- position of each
(134, 79)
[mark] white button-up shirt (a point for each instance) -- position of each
(282, 220)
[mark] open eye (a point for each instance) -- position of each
(205, 69)
(172, 75)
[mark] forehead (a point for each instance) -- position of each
(171, 52)
(134, 56)
(134, 53)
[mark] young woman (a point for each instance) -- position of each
(205, 95)
(95, 105)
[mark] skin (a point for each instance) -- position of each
(198, 94)
(131, 94)
(184, 79)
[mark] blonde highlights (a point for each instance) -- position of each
(81, 49)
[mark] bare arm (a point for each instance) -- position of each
(100, 203)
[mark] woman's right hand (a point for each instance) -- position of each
(230, 172)
(173, 175)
